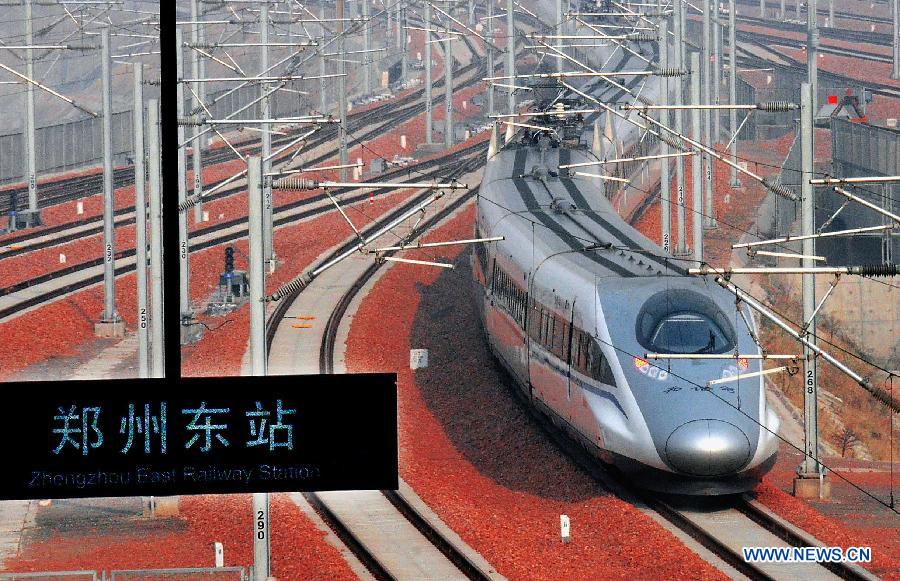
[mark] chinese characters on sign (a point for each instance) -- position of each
(80, 428)
(82, 439)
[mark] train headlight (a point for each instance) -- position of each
(713, 444)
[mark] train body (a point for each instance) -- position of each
(573, 298)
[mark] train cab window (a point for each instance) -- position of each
(579, 350)
(688, 333)
(481, 251)
(597, 365)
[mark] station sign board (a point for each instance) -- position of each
(79, 439)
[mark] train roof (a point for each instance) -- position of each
(524, 189)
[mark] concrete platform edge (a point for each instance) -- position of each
(807, 538)
(352, 561)
(472, 556)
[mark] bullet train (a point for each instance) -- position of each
(573, 298)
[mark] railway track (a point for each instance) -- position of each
(35, 240)
(822, 12)
(773, 40)
(68, 189)
(16, 299)
(58, 283)
(374, 123)
(353, 516)
(779, 62)
(722, 525)
(720, 529)
(863, 36)
(320, 348)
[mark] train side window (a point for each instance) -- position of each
(559, 336)
(543, 332)
(534, 322)
(576, 345)
(548, 332)
(523, 307)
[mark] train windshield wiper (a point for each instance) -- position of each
(711, 346)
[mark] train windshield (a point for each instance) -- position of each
(688, 333)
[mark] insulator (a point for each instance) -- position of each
(671, 72)
(645, 100)
(188, 203)
(780, 190)
(292, 287)
(643, 37)
(295, 183)
(875, 270)
(672, 142)
(191, 120)
(81, 47)
(777, 106)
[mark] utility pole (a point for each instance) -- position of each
(197, 101)
(665, 179)
(290, 23)
(157, 329)
(810, 472)
(34, 218)
(732, 91)
(110, 324)
(260, 536)
(489, 50)
(696, 167)
(342, 88)
(268, 225)
(140, 213)
(717, 71)
(429, 120)
(830, 13)
(323, 99)
(256, 216)
(184, 271)
(367, 46)
(812, 51)
(895, 69)
(681, 248)
(709, 220)
(762, 8)
(399, 29)
(560, 65)
(448, 91)
(404, 53)
(683, 17)
(511, 55)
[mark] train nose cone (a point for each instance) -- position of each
(707, 448)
